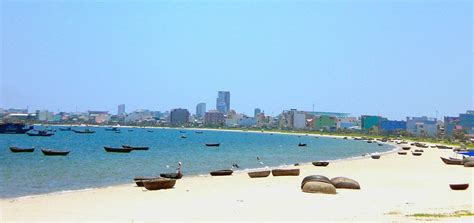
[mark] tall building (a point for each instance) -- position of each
(179, 116)
(200, 110)
(256, 112)
(121, 110)
(223, 101)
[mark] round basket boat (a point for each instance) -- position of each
(258, 174)
(139, 180)
(286, 172)
(221, 173)
(321, 163)
(459, 186)
(315, 178)
(375, 157)
(402, 153)
(158, 184)
(406, 148)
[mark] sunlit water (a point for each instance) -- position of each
(89, 166)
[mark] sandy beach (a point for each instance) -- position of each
(392, 188)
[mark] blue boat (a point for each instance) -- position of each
(467, 153)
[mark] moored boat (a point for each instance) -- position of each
(40, 133)
(65, 129)
(221, 172)
(14, 128)
(135, 147)
(139, 180)
(459, 186)
(15, 149)
(451, 161)
(375, 157)
(159, 183)
(320, 163)
(259, 174)
(86, 131)
(302, 144)
(50, 152)
(213, 144)
(286, 172)
(178, 175)
(117, 150)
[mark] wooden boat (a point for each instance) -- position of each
(443, 147)
(315, 178)
(221, 172)
(40, 133)
(182, 131)
(380, 144)
(112, 129)
(302, 144)
(178, 175)
(87, 131)
(258, 174)
(149, 130)
(375, 157)
(199, 132)
(370, 141)
(459, 186)
(184, 137)
(48, 152)
(286, 172)
(159, 183)
(213, 144)
(135, 147)
(21, 150)
(406, 148)
(65, 129)
(416, 153)
(320, 163)
(451, 161)
(117, 150)
(402, 153)
(14, 128)
(418, 150)
(139, 180)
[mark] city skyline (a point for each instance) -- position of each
(394, 59)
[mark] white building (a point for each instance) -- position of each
(299, 120)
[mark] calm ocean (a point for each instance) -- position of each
(89, 166)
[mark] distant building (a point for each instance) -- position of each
(179, 116)
(99, 117)
(44, 115)
(465, 123)
(17, 111)
(121, 110)
(347, 123)
(223, 101)
(299, 120)
(369, 122)
(139, 116)
(325, 122)
(200, 110)
(247, 122)
(256, 112)
(422, 126)
(390, 126)
(214, 118)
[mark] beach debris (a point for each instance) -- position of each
(346, 183)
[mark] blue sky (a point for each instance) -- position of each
(393, 58)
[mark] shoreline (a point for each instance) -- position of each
(394, 188)
(240, 171)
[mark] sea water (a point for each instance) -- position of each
(88, 165)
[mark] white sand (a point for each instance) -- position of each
(392, 187)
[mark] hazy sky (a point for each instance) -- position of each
(393, 58)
